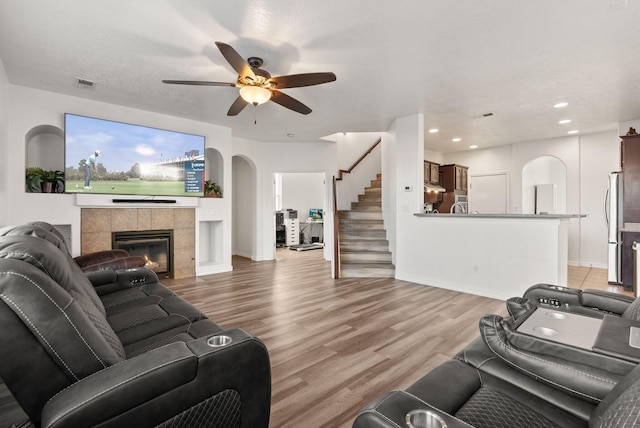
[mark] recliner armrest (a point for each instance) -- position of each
(579, 372)
(108, 281)
(595, 302)
(606, 301)
(390, 409)
(231, 383)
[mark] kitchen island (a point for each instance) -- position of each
(493, 255)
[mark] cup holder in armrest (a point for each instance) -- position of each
(424, 419)
(219, 341)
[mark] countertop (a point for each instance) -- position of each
(514, 216)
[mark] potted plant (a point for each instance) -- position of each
(45, 181)
(212, 190)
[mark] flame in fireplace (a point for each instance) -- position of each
(149, 264)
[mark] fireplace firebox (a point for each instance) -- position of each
(156, 246)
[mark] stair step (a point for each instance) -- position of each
(349, 257)
(367, 270)
(373, 197)
(373, 191)
(366, 206)
(364, 245)
(359, 224)
(367, 234)
(361, 215)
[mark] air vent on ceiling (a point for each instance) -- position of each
(487, 114)
(84, 83)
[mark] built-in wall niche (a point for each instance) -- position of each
(44, 149)
(210, 244)
(214, 166)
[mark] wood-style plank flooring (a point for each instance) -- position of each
(336, 344)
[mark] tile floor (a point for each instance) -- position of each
(594, 278)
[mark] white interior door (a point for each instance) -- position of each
(488, 193)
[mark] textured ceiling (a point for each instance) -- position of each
(452, 60)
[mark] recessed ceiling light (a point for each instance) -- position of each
(574, 131)
(433, 130)
(290, 135)
(473, 147)
(563, 121)
(455, 140)
(560, 105)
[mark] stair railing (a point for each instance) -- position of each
(336, 233)
(336, 219)
(355, 164)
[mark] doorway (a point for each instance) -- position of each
(300, 207)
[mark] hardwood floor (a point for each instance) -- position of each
(337, 344)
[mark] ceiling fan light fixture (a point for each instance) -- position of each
(255, 95)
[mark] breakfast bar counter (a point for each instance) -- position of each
(494, 255)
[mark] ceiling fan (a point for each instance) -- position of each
(257, 86)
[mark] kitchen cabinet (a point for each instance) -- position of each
(630, 158)
(431, 172)
(454, 177)
(627, 260)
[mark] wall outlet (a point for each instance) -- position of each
(408, 188)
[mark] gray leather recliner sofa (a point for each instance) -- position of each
(117, 348)
(506, 379)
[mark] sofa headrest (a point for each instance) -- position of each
(32, 229)
(40, 253)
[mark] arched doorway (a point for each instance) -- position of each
(544, 184)
(244, 225)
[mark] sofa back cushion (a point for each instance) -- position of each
(56, 319)
(49, 233)
(47, 258)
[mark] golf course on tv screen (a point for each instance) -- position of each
(107, 157)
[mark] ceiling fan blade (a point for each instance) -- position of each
(198, 83)
(236, 61)
(238, 105)
(306, 79)
(291, 103)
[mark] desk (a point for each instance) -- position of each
(312, 231)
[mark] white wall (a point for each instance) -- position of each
(588, 158)
(273, 158)
(350, 147)
(244, 202)
(302, 191)
(388, 165)
(4, 145)
(409, 166)
(32, 107)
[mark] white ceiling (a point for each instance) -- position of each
(452, 60)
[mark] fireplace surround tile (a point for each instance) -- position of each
(124, 219)
(98, 223)
(162, 218)
(95, 220)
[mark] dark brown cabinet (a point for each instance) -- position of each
(431, 172)
(454, 177)
(630, 158)
(627, 261)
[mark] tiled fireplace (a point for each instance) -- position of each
(97, 225)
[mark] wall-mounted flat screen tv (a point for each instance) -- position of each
(103, 156)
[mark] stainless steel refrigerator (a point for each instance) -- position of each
(613, 215)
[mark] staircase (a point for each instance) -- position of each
(364, 249)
